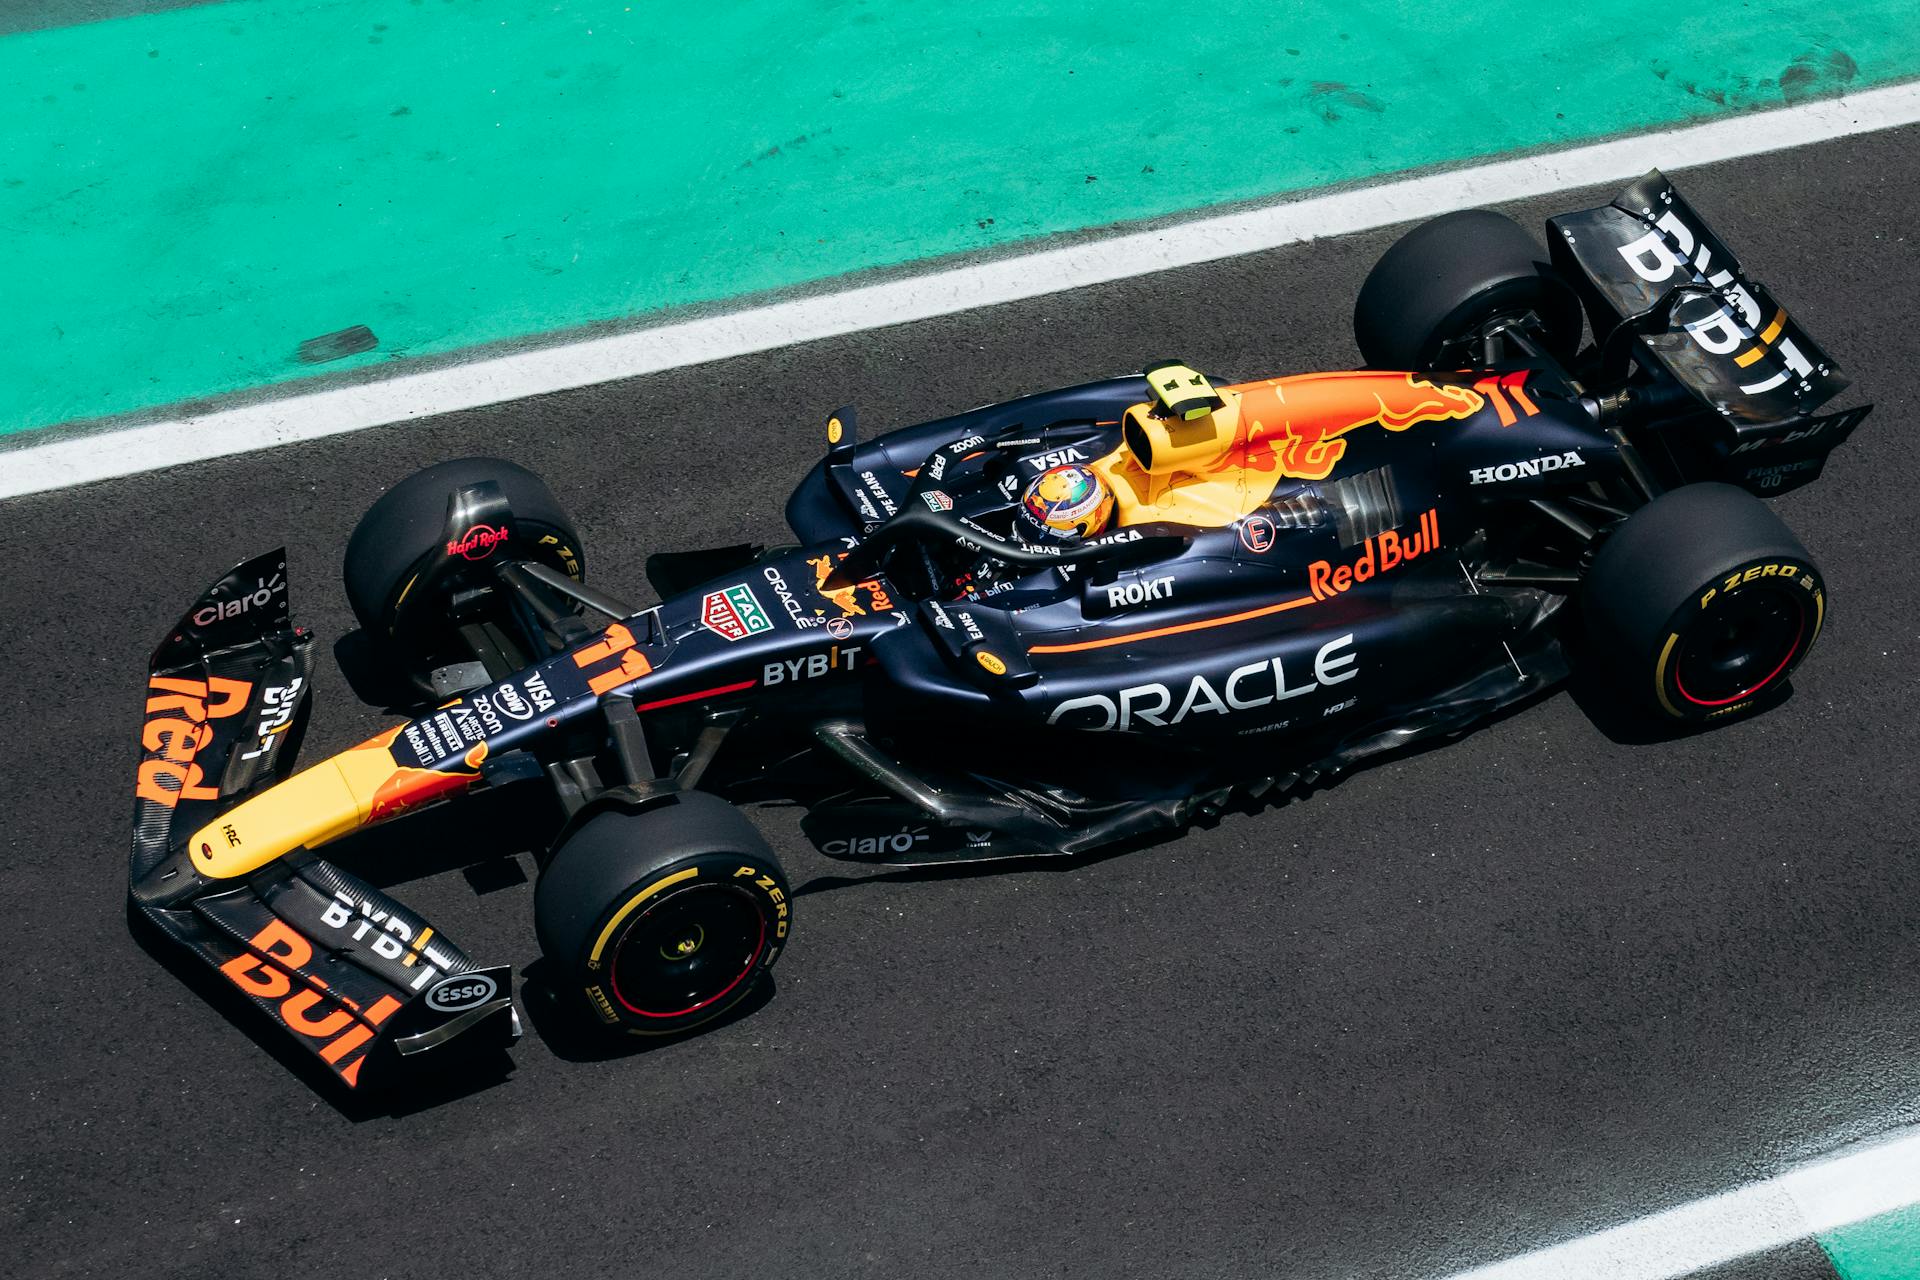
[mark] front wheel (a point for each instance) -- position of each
(1702, 603)
(402, 574)
(666, 918)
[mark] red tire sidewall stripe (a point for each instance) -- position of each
(1793, 652)
(753, 963)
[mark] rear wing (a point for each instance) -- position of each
(344, 969)
(1649, 267)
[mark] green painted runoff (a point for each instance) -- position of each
(1882, 1248)
(190, 199)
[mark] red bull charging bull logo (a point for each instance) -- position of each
(1293, 426)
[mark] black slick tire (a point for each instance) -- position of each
(1701, 604)
(404, 527)
(1446, 278)
(661, 920)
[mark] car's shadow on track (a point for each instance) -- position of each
(571, 1037)
(1065, 863)
(483, 836)
(1242, 805)
(1628, 725)
(480, 838)
(1619, 722)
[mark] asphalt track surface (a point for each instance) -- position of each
(1460, 1005)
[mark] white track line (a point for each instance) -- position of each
(79, 459)
(1862, 1182)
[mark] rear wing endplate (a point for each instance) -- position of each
(1649, 261)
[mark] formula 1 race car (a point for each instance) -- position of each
(1031, 629)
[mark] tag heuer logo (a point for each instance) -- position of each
(734, 614)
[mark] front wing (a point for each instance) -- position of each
(342, 968)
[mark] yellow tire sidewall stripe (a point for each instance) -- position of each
(1673, 638)
(1660, 675)
(665, 882)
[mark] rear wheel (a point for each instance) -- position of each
(402, 572)
(665, 919)
(1702, 603)
(1447, 280)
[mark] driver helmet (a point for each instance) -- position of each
(1064, 503)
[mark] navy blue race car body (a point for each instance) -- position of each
(1255, 583)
